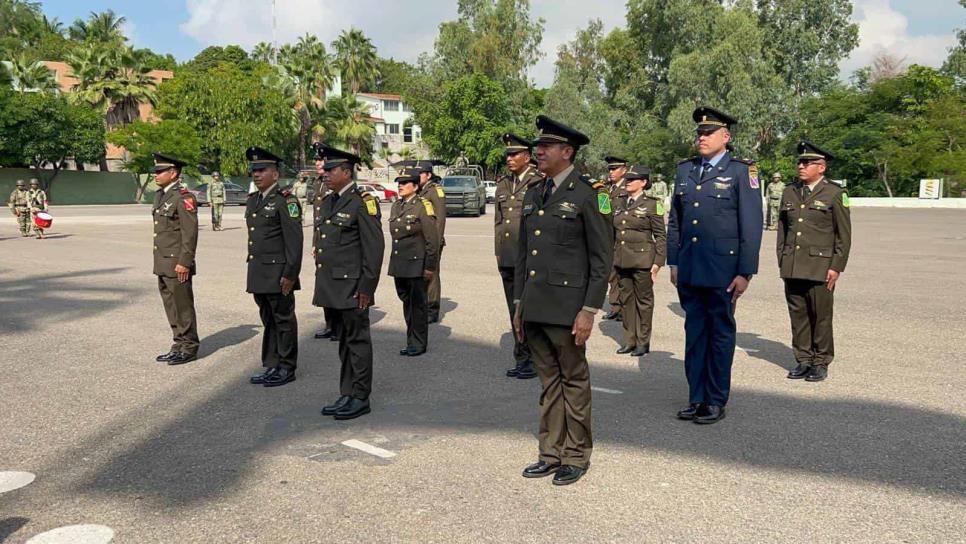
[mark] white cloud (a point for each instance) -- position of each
(883, 29)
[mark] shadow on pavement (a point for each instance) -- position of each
(54, 298)
(9, 526)
(207, 449)
(767, 350)
(227, 337)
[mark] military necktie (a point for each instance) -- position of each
(806, 192)
(705, 169)
(548, 190)
(258, 201)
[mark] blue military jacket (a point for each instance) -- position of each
(714, 231)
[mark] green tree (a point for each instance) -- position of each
(105, 27)
(346, 122)
(356, 59)
(230, 110)
(43, 131)
(214, 55)
(29, 75)
(115, 80)
(393, 77)
(955, 65)
(262, 52)
(140, 140)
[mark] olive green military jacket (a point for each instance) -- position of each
(18, 199)
(415, 238)
(566, 251)
(814, 235)
(618, 190)
(351, 245)
(433, 192)
(508, 209)
(274, 240)
(216, 192)
(640, 239)
(175, 230)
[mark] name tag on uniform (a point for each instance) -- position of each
(527, 208)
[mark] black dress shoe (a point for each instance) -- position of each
(334, 338)
(163, 358)
(353, 409)
(324, 333)
(415, 352)
(817, 374)
(624, 350)
(641, 351)
(568, 474)
(688, 413)
(434, 318)
(540, 469)
(710, 414)
(331, 409)
(281, 376)
(259, 379)
(404, 352)
(181, 358)
(526, 372)
(612, 315)
(512, 372)
(799, 371)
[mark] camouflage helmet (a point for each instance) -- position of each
(20, 183)
(776, 175)
(35, 181)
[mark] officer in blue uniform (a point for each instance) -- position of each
(713, 239)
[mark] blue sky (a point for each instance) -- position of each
(919, 30)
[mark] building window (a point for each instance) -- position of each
(393, 128)
(408, 135)
(390, 105)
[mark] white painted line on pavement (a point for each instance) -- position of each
(369, 448)
(605, 390)
(10, 480)
(748, 350)
(75, 534)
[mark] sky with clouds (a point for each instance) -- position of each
(919, 30)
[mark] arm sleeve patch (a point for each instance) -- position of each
(439, 192)
(429, 207)
(753, 177)
(603, 203)
(371, 207)
(293, 210)
(660, 208)
(845, 200)
(189, 204)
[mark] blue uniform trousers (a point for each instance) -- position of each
(709, 327)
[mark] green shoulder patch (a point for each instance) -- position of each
(845, 200)
(603, 203)
(660, 208)
(293, 210)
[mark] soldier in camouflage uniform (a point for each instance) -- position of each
(301, 190)
(775, 191)
(19, 203)
(216, 199)
(37, 200)
(658, 190)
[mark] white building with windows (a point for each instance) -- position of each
(395, 129)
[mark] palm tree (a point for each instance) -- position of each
(303, 75)
(54, 26)
(356, 58)
(28, 75)
(101, 27)
(263, 52)
(351, 124)
(114, 79)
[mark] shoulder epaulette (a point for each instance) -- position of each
(184, 190)
(286, 192)
(365, 195)
(689, 159)
(749, 162)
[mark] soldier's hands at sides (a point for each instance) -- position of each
(654, 270)
(518, 325)
(182, 272)
(737, 288)
(674, 276)
(287, 285)
(428, 275)
(831, 277)
(583, 325)
(364, 300)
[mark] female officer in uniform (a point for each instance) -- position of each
(640, 243)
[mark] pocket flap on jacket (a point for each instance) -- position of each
(565, 279)
(344, 272)
(726, 246)
(820, 252)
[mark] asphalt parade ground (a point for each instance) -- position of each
(97, 440)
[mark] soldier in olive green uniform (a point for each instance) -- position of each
(37, 200)
(431, 190)
(616, 169)
(216, 199)
(775, 191)
(347, 268)
(175, 242)
(321, 191)
(565, 255)
(414, 258)
(814, 239)
(301, 190)
(19, 204)
(659, 190)
(640, 249)
(508, 207)
(274, 221)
